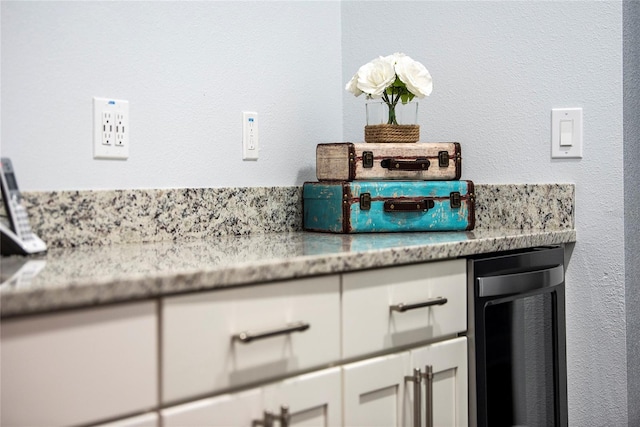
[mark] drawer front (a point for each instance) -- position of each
(200, 354)
(79, 367)
(371, 325)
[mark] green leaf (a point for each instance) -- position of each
(406, 97)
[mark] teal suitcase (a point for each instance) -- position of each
(388, 206)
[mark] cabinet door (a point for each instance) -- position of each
(200, 355)
(79, 367)
(313, 399)
(448, 360)
(235, 409)
(433, 297)
(146, 420)
(374, 391)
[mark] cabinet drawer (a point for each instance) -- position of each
(79, 367)
(200, 354)
(369, 323)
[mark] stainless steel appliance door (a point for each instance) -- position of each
(519, 362)
(518, 339)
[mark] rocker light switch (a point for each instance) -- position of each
(566, 133)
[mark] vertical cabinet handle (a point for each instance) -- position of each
(285, 416)
(428, 395)
(266, 421)
(416, 378)
(269, 418)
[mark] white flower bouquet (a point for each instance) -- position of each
(393, 78)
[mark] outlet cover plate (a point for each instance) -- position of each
(250, 139)
(110, 139)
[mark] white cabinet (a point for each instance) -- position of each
(374, 391)
(322, 351)
(449, 393)
(235, 409)
(147, 420)
(306, 400)
(79, 367)
(202, 349)
(392, 307)
(381, 391)
(379, 320)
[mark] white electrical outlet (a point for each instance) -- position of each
(107, 128)
(110, 128)
(249, 135)
(121, 128)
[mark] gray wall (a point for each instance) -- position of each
(498, 70)
(188, 70)
(631, 46)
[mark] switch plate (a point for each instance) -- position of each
(566, 133)
(110, 128)
(250, 144)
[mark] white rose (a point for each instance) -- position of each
(393, 59)
(352, 86)
(414, 75)
(375, 77)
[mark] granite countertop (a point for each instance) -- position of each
(95, 275)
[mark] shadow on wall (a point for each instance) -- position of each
(306, 174)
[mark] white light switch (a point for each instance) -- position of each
(566, 133)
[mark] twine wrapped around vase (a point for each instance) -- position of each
(391, 133)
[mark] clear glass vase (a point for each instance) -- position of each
(380, 112)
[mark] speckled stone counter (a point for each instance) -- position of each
(177, 241)
(93, 275)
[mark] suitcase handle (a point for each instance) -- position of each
(420, 164)
(395, 205)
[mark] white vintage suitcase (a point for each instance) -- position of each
(428, 161)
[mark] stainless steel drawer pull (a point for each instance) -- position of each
(402, 307)
(247, 336)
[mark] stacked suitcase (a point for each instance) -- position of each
(385, 187)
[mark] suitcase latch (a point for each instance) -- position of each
(454, 199)
(443, 159)
(365, 201)
(367, 159)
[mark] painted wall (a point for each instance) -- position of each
(631, 47)
(188, 70)
(498, 69)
